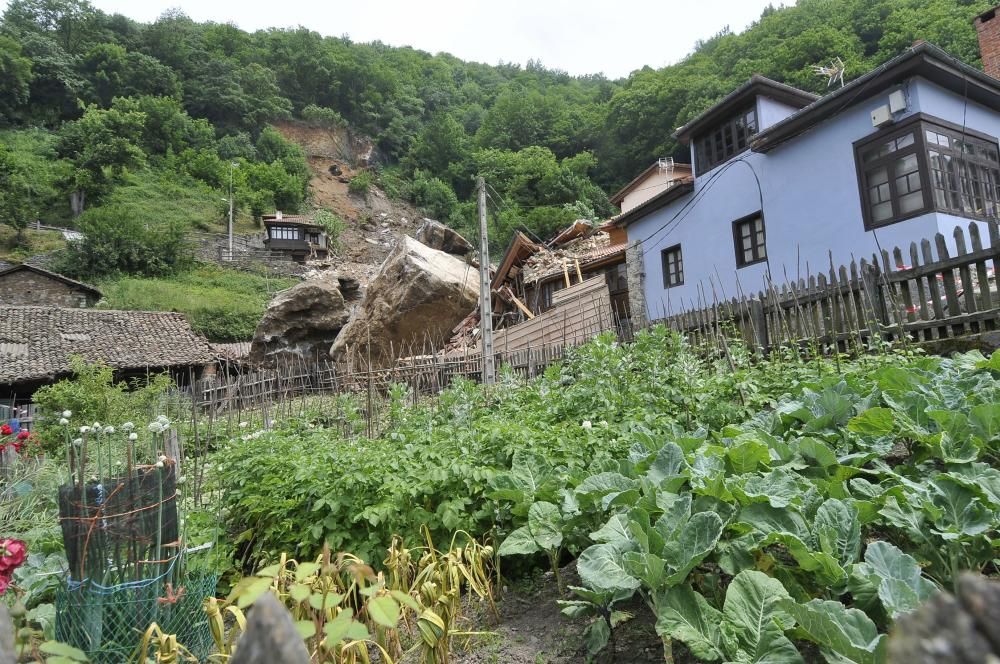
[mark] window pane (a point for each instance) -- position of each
(911, 202)
(906, 164)
(882, 211)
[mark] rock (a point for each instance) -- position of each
(981, 599)
(270, 636)
(946, 629)
(300, 323)
(6, 637)
(368, 226)
(418, 296)
(438, 236)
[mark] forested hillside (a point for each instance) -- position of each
(134, 122)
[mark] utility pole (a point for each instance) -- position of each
(485, 301)
(232, 165)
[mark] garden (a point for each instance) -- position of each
(718, 507)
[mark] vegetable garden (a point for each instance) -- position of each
(779, 510)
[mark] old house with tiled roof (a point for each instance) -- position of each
(38, 343)
(30, 285)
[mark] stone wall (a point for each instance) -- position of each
(636, 275)
(27, 288)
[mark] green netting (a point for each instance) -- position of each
(108, 623)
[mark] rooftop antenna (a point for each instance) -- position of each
(665, 165)
(834, 72)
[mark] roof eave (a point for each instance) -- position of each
(655, 203)
(924, 60)
(53, 275)
(757, 86)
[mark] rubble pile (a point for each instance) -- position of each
(551, 259)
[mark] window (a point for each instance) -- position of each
(748, 236)
(617, 279)
(965, 173)
(728, 139)
(545, 294)
(673, 266)
(928, 165)
(283, 233)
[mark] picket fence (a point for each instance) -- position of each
(924, 295)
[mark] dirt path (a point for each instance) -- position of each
(533, 631)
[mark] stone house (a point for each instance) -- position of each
(38, 343)
(27, 285)
(295, 236)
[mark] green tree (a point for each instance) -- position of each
(101, 145)
(166, 126)
(442, 148)
(114, 72)
(18, 199)
(15, 78)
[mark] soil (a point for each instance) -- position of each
(531, 630)
(373, 222)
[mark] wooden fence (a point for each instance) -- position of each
(580, 311)
(925, 295)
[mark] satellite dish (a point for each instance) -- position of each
(834, 72)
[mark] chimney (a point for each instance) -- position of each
(988, 31)
(277, 215)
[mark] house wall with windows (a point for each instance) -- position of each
(810, 195)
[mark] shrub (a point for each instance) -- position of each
(333, 225)
(361, 183)
(115, 240)
(92, 395)
(433, 195)
(320, 116)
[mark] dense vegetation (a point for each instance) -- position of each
(823, 502)
(825, 497)
(186, 98)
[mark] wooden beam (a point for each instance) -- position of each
(566, 273)
(579, 275)
(525, 310)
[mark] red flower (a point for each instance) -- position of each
(12, 555)
(4, 582)
(23, 435)
(6, 430)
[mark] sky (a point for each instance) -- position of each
(577, 36)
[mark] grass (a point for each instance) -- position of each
(224, 305)
(38, 242)
(166, 197)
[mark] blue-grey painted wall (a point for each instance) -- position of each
(811, 204)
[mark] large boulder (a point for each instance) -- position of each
(301, 322)
(436, 235)
(414, 301)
